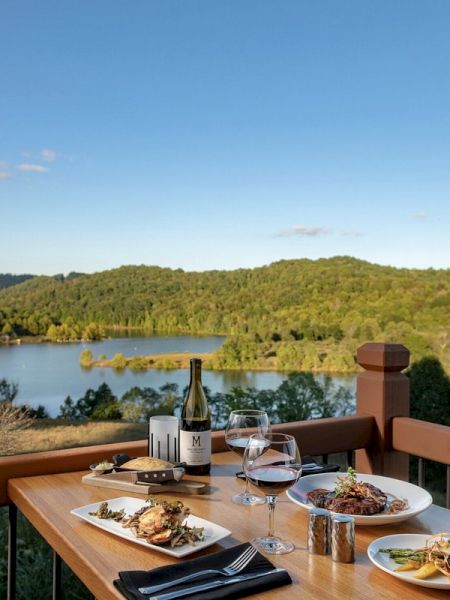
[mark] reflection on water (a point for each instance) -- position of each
(47, 373)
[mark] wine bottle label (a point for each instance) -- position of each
(195, 447)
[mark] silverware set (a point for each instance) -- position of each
(229, 574)
(217, 583)
(229, 571)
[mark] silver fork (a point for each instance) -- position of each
(232, 569)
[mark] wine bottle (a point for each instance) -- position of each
(195, 430)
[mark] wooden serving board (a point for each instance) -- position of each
(182, 487)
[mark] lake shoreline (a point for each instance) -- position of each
(47, 373)
(6, 340)
(181, 360)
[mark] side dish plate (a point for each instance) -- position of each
(405, 540)
(418, 499)
(212, 532)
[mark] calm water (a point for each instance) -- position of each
(47, 373)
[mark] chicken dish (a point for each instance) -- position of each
(158, 522)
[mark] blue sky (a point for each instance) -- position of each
(207, 134)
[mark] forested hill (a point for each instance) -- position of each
(7, 279)
(313, 313)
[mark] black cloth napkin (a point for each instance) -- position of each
(130, 581)
(312, 467)
(318, 468)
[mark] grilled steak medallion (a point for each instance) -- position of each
(319, 497)
(362, 499)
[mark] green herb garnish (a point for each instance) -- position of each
(104, 512)
(345, 483)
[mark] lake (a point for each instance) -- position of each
(47, 373)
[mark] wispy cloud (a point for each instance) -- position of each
(420, 216)
(351, 233)
(48, 154)
(3, 165)
(4, 176)
(304, 231)
(31, 168)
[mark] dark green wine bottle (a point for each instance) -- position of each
(195, 430)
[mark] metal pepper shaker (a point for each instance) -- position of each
(319, 531)
(343, 538)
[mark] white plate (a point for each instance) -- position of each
(405, 540)
(212, 532)
(418, 499)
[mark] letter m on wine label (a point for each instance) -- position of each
(195, 447)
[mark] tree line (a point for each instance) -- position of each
(293, 314)
(300, 396)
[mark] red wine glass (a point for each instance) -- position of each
(272, 463)
(241, 425)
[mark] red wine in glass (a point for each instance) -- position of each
(272, 463)
(272, 480)
(241, 425)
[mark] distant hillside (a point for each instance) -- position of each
(8, 280)
(290, 314)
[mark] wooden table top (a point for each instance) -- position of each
(96, 556)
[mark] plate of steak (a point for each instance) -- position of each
(370, 499)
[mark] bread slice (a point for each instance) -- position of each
(146, 463)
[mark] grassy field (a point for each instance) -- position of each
(50, 434)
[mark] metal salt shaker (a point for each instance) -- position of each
(343, 538)
(319, 531)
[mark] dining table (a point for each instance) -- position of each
(96, 556)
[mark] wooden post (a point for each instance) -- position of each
(383, 392)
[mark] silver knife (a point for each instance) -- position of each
(211, 585)
(146, 477)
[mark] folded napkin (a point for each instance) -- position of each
(130, 581)
(309, 467)
(312, 467)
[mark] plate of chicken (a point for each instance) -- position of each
(167, 527)
(370, 499)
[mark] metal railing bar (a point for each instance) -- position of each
(12, 553)
(325, 459)
(421, 472)
(56, 584)
(350, 458)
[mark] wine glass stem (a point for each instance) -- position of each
(271, 501)
(246, 491)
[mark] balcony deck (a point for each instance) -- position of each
(381, 434)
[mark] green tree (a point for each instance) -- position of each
(119, 361)
(68, 410)
(430, 391)
(92, 332)
(430, 401)
(298, 397)
(86, 358)
(8, 391)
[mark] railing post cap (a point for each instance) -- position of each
(383, 357)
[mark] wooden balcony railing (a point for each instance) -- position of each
(321, 436)
(426, 441)
(383, 391)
